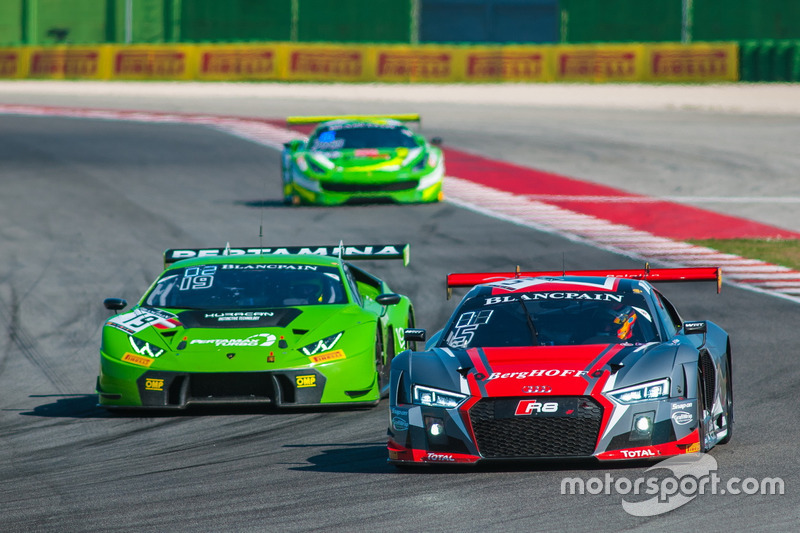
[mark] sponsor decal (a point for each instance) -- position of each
(142, 318)
(391, 251)
(438, 457)
(529, 407)
(237, 62)
(151, 62)
(268, 267)
(306, 381)
(239, 316)
(633, 454)
(328, 357)
(505, 65)
(537, 389)
(400, 423)
(684, 405)
(68, 63)
(694, 448)
(682, 418)
(8, 64)
(597, 64)
(328, 63)
(260, 339)
(551, 373)
(154, 384)
(690, 64)
(533, 296)
(414, 65)
(137, 359)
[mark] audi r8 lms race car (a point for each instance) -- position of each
(584, 364)
(293, 326)
(356, 159)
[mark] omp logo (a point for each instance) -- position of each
(414, 64)
(329, 63)
(529, 407)
(690, 63)
(234, 62)
(506, 65)
(605, 64)
(150, 63)
(154, 384)
(306, 381)
(66, 62)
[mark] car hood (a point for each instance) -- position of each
(368, 159)
(563, 370)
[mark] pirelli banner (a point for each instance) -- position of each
(592, 63)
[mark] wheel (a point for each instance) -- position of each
(381, 368)
(702, 412)
(728, 403)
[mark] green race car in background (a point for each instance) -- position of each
(357, 159)
(293, 326)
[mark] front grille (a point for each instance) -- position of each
(336, 186)
(230, 386)
(503, 435)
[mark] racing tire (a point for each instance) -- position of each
(728, 403)
(381, 367)
(701, 410)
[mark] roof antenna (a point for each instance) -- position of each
(341, 251)
(516, 274)
(563, 264)
(227, 250)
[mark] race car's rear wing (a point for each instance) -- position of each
(408, 117)
(357, 251)
(647, 274)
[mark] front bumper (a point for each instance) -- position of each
(489, 429)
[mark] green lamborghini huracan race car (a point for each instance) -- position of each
(292, 326)
(357, 159)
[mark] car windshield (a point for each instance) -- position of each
(362, 136)
(247, 286)
(551, 319)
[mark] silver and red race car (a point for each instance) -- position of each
(535, 365)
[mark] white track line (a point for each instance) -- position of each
(525, 210)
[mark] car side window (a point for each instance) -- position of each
(668, 311)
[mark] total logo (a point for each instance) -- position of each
(439, 457)
(632, 454)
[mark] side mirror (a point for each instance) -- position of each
(114, 304)
(692, 328)
(414, 335)
(293, 145)
(388, 298)
(436, 141)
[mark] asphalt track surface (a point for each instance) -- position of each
(87, 207)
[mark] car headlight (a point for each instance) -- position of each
(436, 397)
(322, 345)
(653, 390)
(145, 348)
(422, 163)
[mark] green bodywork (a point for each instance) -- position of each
(336, 170)
(163, 357)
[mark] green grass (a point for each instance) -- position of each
(784, 252)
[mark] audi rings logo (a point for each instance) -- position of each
(536, 389)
